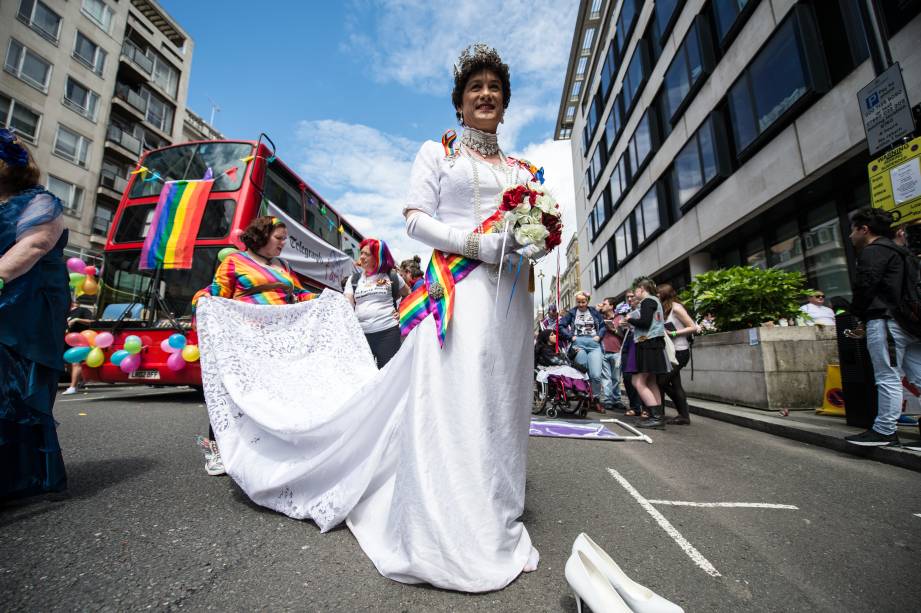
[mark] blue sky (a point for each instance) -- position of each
(349, 90)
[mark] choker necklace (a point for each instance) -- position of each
(484, 143)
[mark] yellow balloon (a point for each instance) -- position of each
(90, 286)
(190, 353)
(95, 358)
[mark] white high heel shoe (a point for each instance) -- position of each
(589, 585)
(639, 598)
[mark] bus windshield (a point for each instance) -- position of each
(191, 162)
(124, 287)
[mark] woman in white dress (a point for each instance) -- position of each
(424, 459)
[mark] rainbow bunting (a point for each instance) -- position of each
(171, 238)
(444, 271)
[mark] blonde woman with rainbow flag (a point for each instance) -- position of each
(374, 292)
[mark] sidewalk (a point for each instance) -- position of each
(808, 427)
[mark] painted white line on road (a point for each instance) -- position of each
(917, 514)
(666, 525)
(740, 505)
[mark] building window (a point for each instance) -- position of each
(165, 76)
(646, 215)
(781, 74)
(89, 53)
(602, 266)
(580, 67)
(595, 13)
(28, 66)
(570, 112)
(71, 195)
(641, 143)
(102, 219)
(634, 77)
(698, 163)
(40, 18)
(71, 146)
(664, 15)
(587, 39)
(81, 99)
(99, 12)
(618, 182)
(17, 117)
(159, 113)
(625, 22)
(596, 166)
(609, 69)
(686, 71)
(601, 213)
(576, 90)
(613, 125)
(727, 16)
(623, 241)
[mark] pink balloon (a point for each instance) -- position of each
(75, 339)
(76, 265)
(175, 362)
(104, 340)
(130, 363)
(165, 347)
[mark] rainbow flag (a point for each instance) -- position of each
(445, 270)
(171, 238)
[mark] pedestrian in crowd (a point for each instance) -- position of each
(258, 276)
(881, 266)
(648, 323)
(628, 357)
(407, 267)
(79, 319)
(416, 277)
(584, 327)
(708, 324)
(545, 353)
(34, 297)
(818, 313)
(374, 292)
(549, 322)
(680, 327)
(610, 356)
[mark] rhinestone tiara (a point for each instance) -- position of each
(477, 52)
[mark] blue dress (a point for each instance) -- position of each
(33, 312)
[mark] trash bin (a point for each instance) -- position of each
(857, 382)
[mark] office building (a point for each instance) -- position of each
(717, 133)
(89, 85)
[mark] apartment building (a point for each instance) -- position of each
(711, 133)
(90, 85)
(195, 128)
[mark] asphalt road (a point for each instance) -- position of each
(143, 527)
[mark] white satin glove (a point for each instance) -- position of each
(438, 235)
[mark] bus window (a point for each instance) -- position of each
(326, 227)
(350, 243)
(215, 222)
(191, 162)
(284, 195)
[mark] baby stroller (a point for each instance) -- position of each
(561, 390)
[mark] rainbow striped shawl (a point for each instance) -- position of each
(170, 240)
(436, 295)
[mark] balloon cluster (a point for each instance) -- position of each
(128, 359)
(82, 277)
(87, 346)
(179, 351)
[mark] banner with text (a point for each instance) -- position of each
(310, 256)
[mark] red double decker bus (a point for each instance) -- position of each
(154, 304)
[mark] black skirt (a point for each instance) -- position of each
(651, 357)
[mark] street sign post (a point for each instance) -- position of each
(895, 181)
(885, 109)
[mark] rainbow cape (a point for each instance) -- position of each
(171, 238)
(445, 270)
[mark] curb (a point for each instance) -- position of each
(806, 433)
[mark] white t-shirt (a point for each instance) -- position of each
(821, 315)
(374, 301)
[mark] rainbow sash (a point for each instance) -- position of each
(436, 295)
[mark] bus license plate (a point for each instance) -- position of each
(145, 374)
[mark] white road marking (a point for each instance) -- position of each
(689, 549)
(116, 394)
(741, 505)
(917, 514)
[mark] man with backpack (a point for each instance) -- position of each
(888, 301)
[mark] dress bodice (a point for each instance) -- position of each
(444, 186)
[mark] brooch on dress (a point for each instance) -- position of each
(447, 141)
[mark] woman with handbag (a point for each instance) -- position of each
(680, 328)
(648, 323)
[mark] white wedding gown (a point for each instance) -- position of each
(424, 459)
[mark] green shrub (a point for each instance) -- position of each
(744, 297)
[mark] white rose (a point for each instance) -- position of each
(530, 233)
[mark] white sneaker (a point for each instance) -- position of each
(69, 391)
(214, 465)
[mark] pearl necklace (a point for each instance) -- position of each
(493, 270)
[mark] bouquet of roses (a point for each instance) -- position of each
(532, 215)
